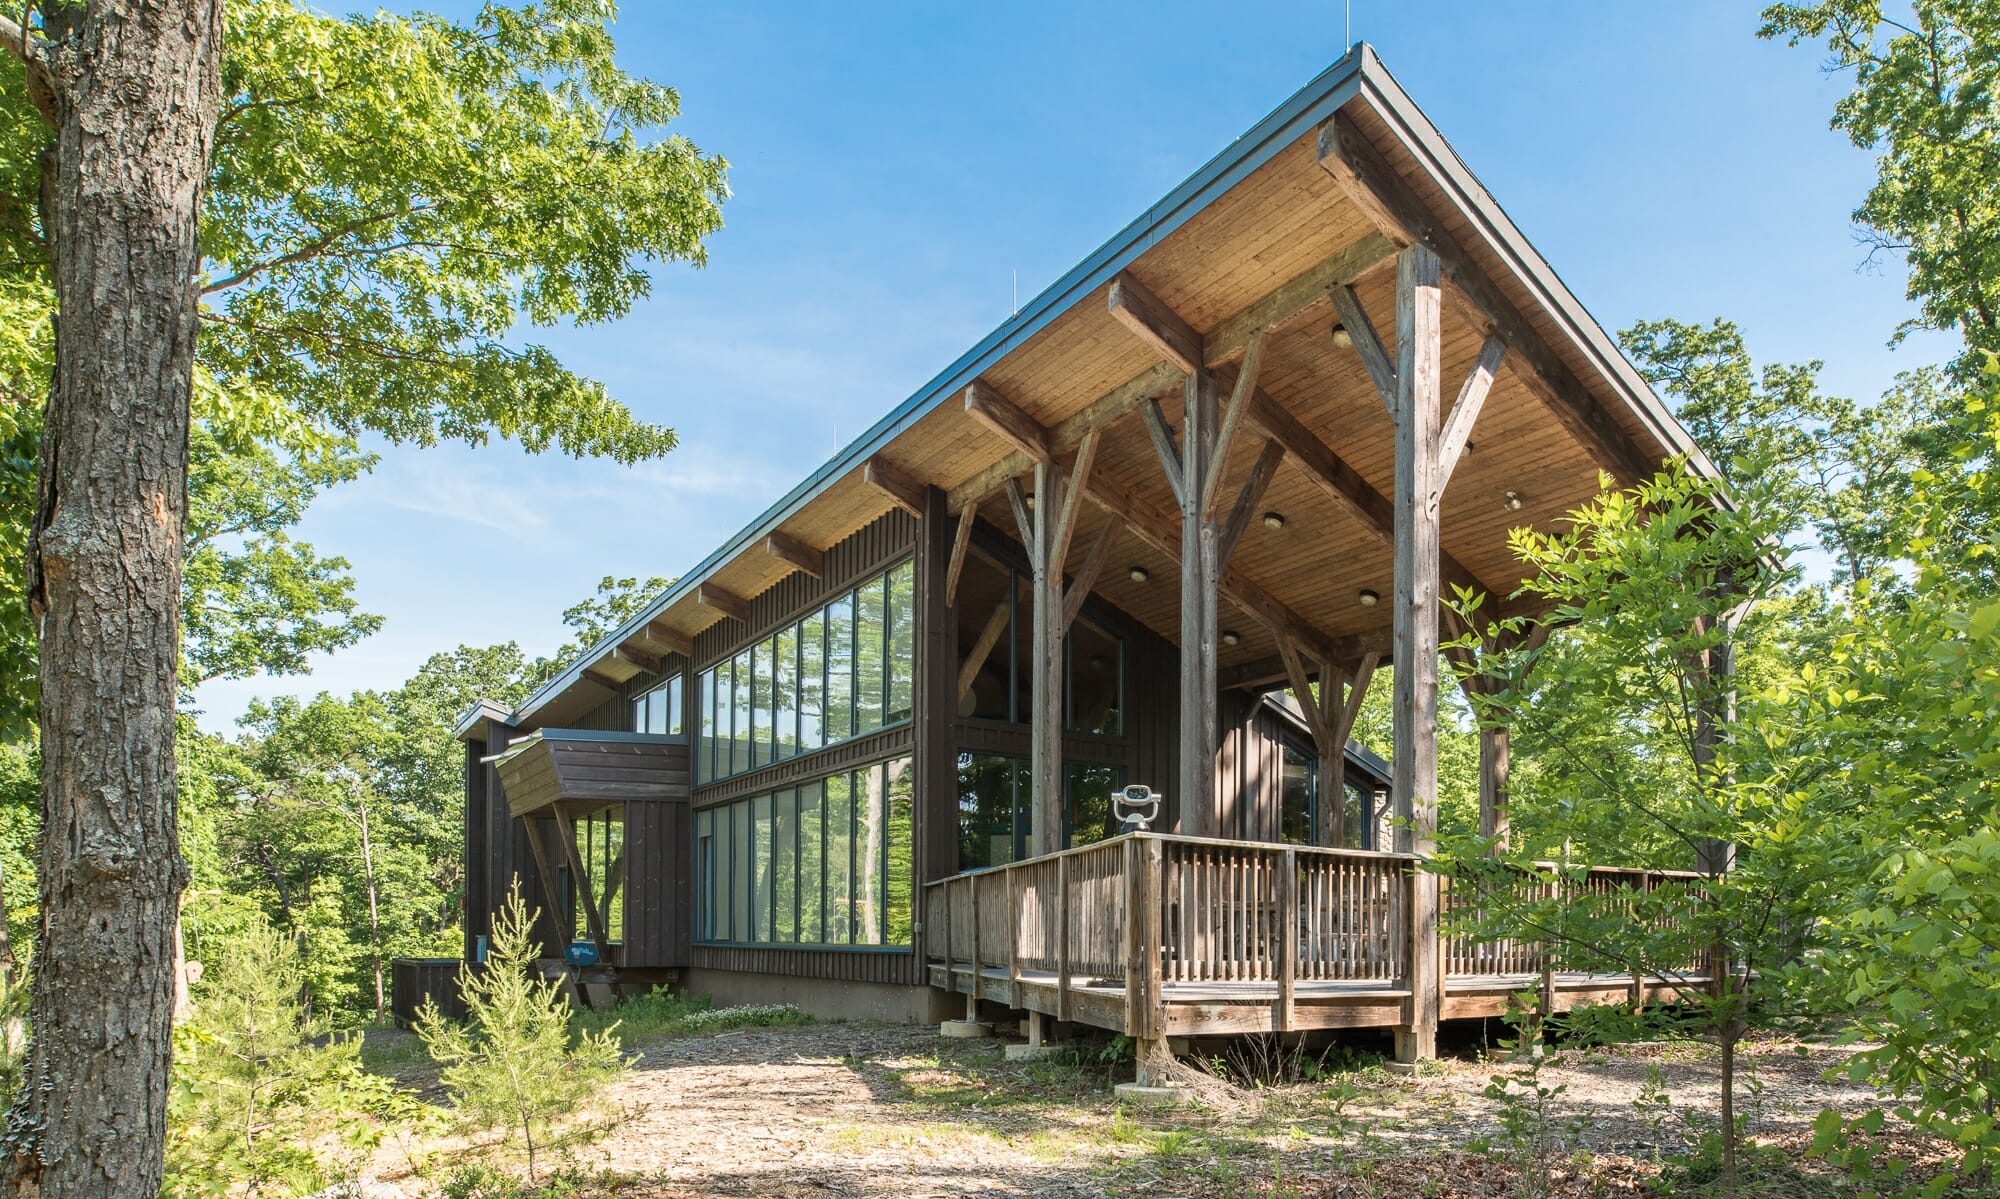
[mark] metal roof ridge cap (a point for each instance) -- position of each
(1345, 72)
(1407, 120)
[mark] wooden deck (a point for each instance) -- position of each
(1154, 935)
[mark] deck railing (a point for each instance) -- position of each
(1636, 895)
(1148, 916)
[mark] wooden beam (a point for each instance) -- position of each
(1086, 574)
(636, 657)
(982, 646)
(961, 541)
(1367, 344)
(676, 642)
(1249, 498)
(1393, 206)
(1072, 502)
(1340, 713)
(1297, 296)
(1465, 410)
(1005, 417)
(708, 595)
(1045, 658)
(1201, 570)
(593, 920)
(1164, 446)
(1344, 484)
(1419, 342)
(1024, 519)
(796, 554)
(1232, 419)
(601, 679)
(891, 480)
(1065, 436)
(1139, 310)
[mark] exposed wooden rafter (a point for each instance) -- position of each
(676, 642)
(1139, 310)
(891, 480)
(708, 595)
(601, 679)
(796, 554)
(1003, 416)
(1068, 434)
(1393, 206)
(636, 658)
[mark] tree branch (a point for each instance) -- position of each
(22, 44)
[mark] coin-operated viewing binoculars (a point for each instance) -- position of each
(1136, 807)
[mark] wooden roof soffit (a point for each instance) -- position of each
(1297, 295)
(1139, 310)
(636, 658)
(658, 633)
(601, 679)
(1068, 434)
(1003, 416)
(708, 595)
(893, 481)
(1392, 205)
(796, 554)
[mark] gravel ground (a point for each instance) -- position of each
(838, 1110)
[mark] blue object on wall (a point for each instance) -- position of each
(581, 954)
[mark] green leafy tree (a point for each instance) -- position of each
(1924, 78)
(513, 1069)
(264, 1101)
(591, 620)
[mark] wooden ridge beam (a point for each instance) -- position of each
(676, 642)
(891, 480)
(1068, 434)
(1139, 310)
(708, 595)
(796, 554)
(1393, 206)
(1004, 416)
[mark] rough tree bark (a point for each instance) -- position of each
(130, 89)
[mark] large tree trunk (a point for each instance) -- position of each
(131, 89)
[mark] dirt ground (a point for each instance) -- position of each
(840, 1110)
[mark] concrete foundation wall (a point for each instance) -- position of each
(825, 999)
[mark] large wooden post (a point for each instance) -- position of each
(1495, 750)
(1200, 569)
(1414, 767)
(1045, 661)
(1714, 701)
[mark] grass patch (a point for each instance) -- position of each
(661, 1015)
(929, 1135)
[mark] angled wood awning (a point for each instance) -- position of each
(584, 770)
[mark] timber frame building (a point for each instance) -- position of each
(861, 757)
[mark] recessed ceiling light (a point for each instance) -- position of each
(1368, 598)
(1512, 501)
(1342, 338)
(1140, 574)
(1231, 636)
(1274, 520)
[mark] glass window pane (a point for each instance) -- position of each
(812, 846)
(610, 885)
(839, 865)
(785, 694)
(639, 714)
(1094, 681)
(1295, 809)
(704, 750)
(902, 647)
(704, 876)
(739, 872)
(902, 780)
(985, 811)
(870, 837)
(739, 711)
(674, 693)
(784, 867)
(812, 682)
(760, 704)
(1089, 787)
(868, 658)
(725, 872)
(984, 615)
(760, 878)
(840, 669)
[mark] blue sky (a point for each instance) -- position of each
(897, 167)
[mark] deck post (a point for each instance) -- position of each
(1288, 939)
(1045, 664)
(1200, 570)
(1062, 938)
(1419, 298)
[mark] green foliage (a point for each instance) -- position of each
(391, 198)
(513, 1069)
(1924, 78)
(1537, 1132)
(263, 1102)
